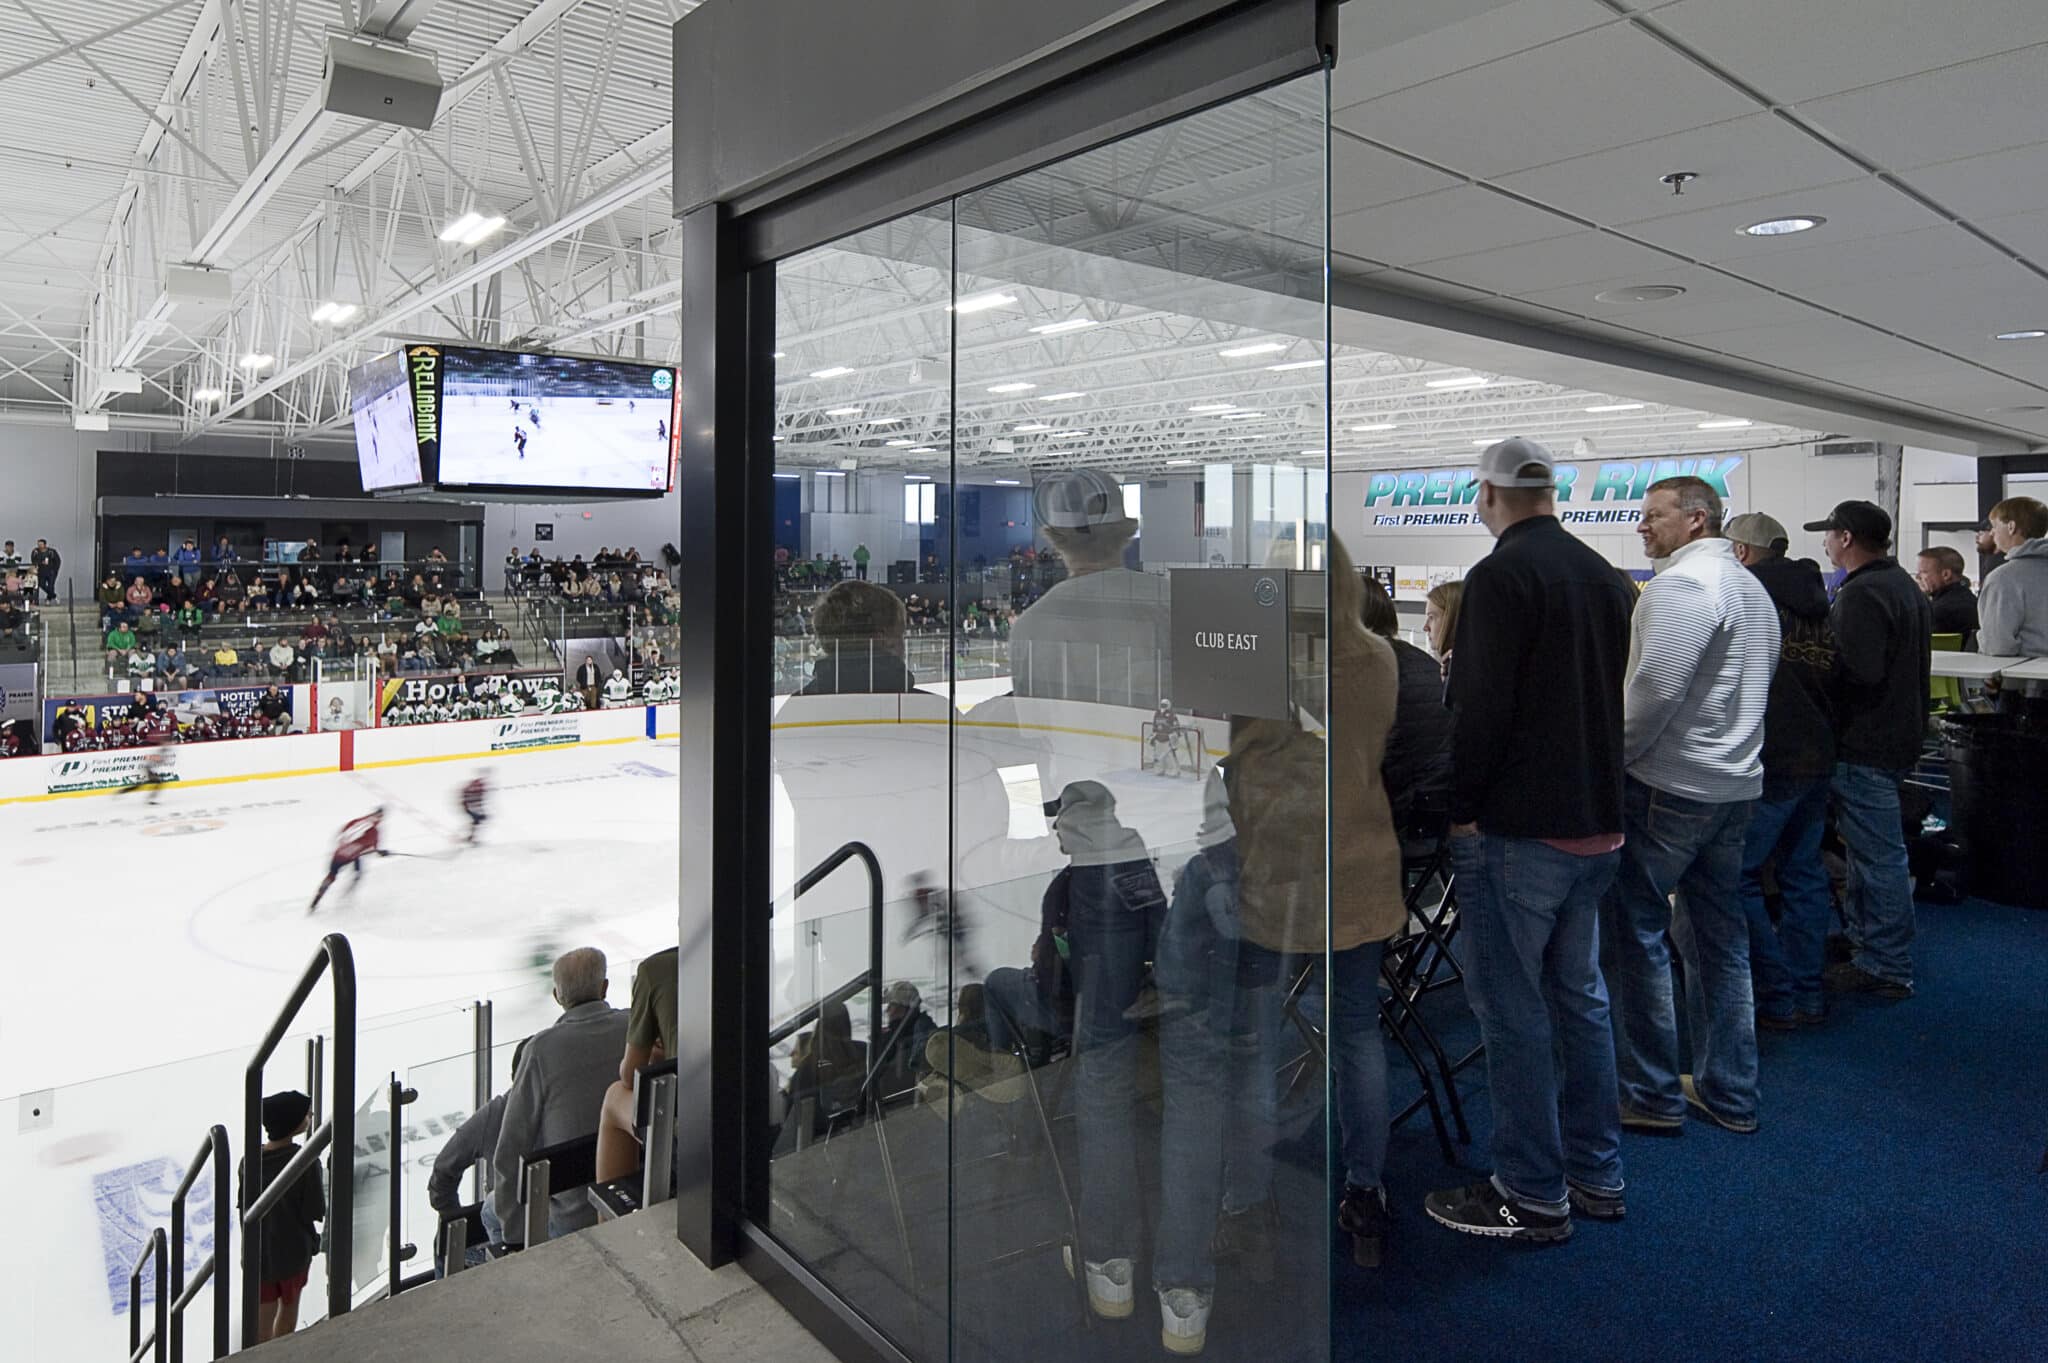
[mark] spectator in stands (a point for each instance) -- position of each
(190, 618)
(231, 591)
(558, 1091)
(1799, 758)
(827, 1068)
(1440, 622)
(113, 600)
(650, 1039)
(906, 1026)
(288, 1235)
(187, 562)
(476, 1139)
(1882, 623)
(282, 659)
(1417, 767)
(861, 559)
(1704, 647)
(226, 662)
(13, 616)
(2015, 602)
(159, 567)
(120, 643)
(171, 664)
(139, 598)
(860, 629)
(1940, 574)
(1536, 805)
(225, 557)
(46, 562)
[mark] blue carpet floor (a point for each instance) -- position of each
(1892, 1207)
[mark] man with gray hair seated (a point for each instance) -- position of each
(558, 1089)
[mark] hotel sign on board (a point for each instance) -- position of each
(1608, 493)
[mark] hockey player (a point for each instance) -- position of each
(661, 429)
(509, 704)
(1160, 742)
(473, 806)
(158, 770)
(519, 439)
(359, 838)
(618, 689)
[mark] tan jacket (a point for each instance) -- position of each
(1276, 802)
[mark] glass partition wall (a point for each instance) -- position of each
(1053, 656)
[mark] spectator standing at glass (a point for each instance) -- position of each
(1940, 574)
(1704, 646)
(1440, 621)
(1536, 805)
(1882, 623)
(1799, 756)
(2014, 607)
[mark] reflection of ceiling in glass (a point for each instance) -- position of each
(1144, 305)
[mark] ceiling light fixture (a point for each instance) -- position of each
(885, 421)
(1028, 427)
(787, 475)
(258, 360)
(1070, 435)
(1639, 293)
(1262, 348)
(1782, 227)
(1019, 387)
(1177, 463)
(1618, 407)
(1241, 416)
(776, 356)
(899, 444)
(1462, 381)
(829, 473)
(982, 302)
(1482, 443)
(842, 411)
(1724, 424)
(1374, 426)
(1006, 482)
(334, 313)
(2028, 335)
(834, 372)
(1060, 397)
(922, 449)
(1297, 364)
(917, 477)
(471, 228)
(1071, 324)
(207, 395)
(1209, 407)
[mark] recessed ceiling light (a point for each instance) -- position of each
(842, 411)
(1071, 324)
(1208, 407)
(258, 360)
(1297, 364)
(1060, 397)
(211, 395)
(1782, 227)
(2029, 335)
(1618, 407)
(1724, 424)
(1462, 381)
(982, 302)
(1030, 426)
(834, 372)
(899, 444)
(1639, 293)
(1006, 482)
(1375, 426)
(1262, 348)
(1019, 387)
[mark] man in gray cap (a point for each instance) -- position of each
(1536, 799)
(1883, 627)
(1799, 759)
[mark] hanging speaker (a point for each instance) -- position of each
(380, 84)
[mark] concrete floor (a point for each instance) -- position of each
(623, 1291)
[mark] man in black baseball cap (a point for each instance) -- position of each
(1882, 627)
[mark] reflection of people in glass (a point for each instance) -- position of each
(1227, 969)
(1102, 634)
(860, 631)
(827, 1065)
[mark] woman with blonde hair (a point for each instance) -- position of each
(1440, 620)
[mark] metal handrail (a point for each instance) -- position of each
(213, 1153)
(395, 1226)
(825, 868)
(153, 1254)
(339, 1130)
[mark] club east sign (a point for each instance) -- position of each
(1592, 494)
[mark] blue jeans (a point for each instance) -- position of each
(1695, 850)
(1108, 961)
(1531, 917)
(1880, 907)
(1015, 1004)
(1785, 958)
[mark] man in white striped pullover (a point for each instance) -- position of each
(1705, 643)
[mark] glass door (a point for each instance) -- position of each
(1062, 642)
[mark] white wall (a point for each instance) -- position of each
(46, 491)
(1168, 521)
(877, 522)
(1935, 486)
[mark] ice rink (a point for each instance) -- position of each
(578, 442)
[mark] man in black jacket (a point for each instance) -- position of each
(1799, 759)
(1417, 767)
(1882, 625)
(1536, 809)
(46, 561)
(1940, 575)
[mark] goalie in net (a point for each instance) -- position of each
(1166, 745)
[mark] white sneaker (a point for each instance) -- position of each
(1109, 1284)
(1184, 1320)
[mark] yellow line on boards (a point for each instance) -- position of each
(175, 785)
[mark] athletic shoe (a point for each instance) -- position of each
(1742, 1127)
(1363, 1215)
(1850, 978)
(1109, 1285)
(1600, 1204)
(1650, 1123)
(1184, 1320)
(1479, 1209)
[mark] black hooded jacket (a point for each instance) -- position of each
(1799, 721)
